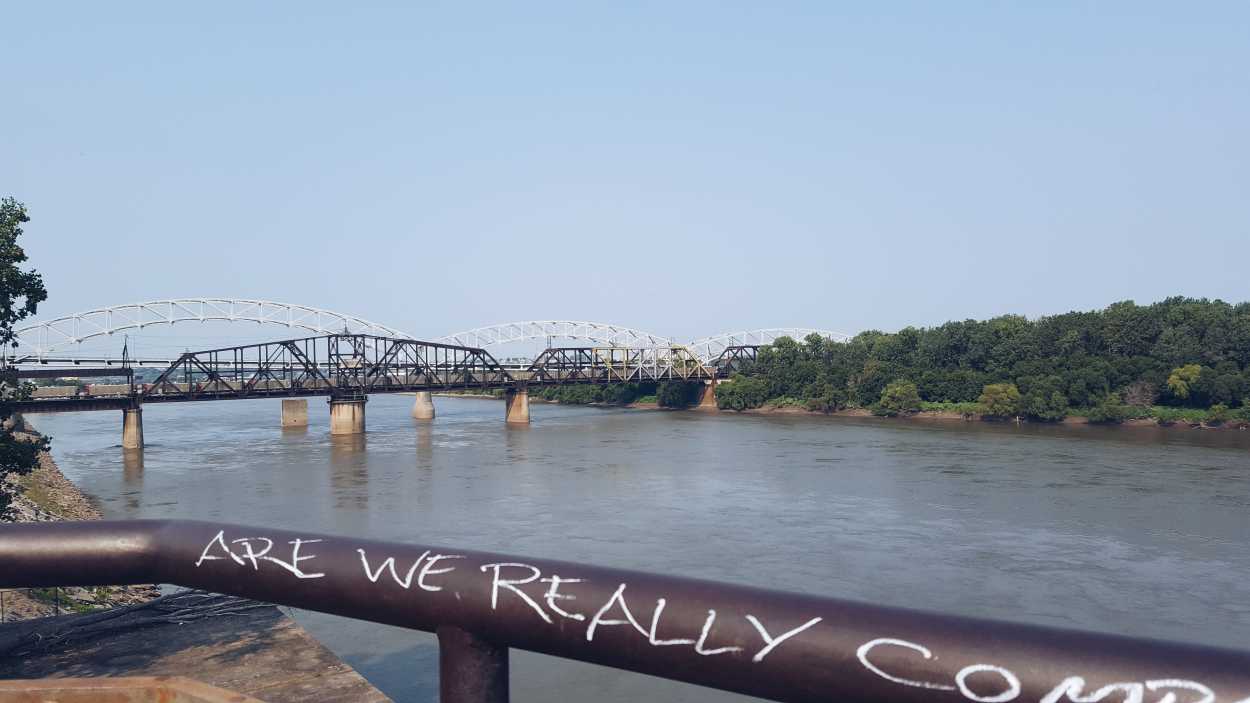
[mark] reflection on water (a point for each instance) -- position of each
(1137, 531)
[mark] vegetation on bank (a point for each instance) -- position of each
(20, 295)
(1179, 360)
(666, 395)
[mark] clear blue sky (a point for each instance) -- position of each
(684, 168)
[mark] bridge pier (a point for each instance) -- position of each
(517, 406)
(295, 412)
(347, 416)
(132, 428)
(707, 401)
(423, 407)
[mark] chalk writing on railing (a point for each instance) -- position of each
(995, 684)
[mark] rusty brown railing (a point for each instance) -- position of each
(783, 646)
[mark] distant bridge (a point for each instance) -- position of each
(347, 368)
(351, 357)
(60, 339)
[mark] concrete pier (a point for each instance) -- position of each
(347, 416)
(132, 428)
(707, 401)
(423, 407)
(295, 412)
(517, 406)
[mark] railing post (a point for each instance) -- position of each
(470, 669)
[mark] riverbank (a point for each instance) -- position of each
(45, 495)
(951, 415)
(921, 416)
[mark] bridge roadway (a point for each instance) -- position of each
(349, 367)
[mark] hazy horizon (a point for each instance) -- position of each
(682, 170)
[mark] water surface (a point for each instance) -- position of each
(1133, 531)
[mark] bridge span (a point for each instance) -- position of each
(61, 338)
(347, 368)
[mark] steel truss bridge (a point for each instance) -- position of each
(59, 340)
(352, 366)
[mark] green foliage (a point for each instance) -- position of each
(1182, 379)
(1177, 352)
(676, 394)
(20, 295)
(616, 394)
(1043, 399)
(20, 291)
(1000, 400)
(898, 398)
(741, 393)
(826, 399)
(965, 409)
(1219, 414)
(1109, 411)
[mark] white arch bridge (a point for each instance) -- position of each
(61, 338)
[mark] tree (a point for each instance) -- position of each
(20, 295)
(898, 398)
(1109, 411)
(741, 393)
(1181, 382)
(675, 394)
(1000, 400)
(1039, 405)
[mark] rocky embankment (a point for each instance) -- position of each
(46, 495)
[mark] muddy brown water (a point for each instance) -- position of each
(1134, 531)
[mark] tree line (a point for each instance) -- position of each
(1167, 360)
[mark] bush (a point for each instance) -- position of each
(898, 398)
(826, 399)
(1000, 400)
(1219, 414)
(741, 393)
(1109, 411)
(676, 394)
(1051, 407)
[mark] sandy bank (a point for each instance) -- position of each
(45, 495)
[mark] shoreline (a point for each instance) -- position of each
(921, 416)
(46, 495)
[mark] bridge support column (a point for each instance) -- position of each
(347, 416)
(517, 406)
(423, 407)
(132, 428)
(295, 412)
(707, 401)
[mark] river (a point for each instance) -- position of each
(1126, 530)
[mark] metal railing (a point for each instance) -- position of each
(784, 646)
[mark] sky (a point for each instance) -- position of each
(682, 168)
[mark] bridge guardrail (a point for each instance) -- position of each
(784, 646)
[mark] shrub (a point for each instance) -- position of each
(898, 398)
(1000, 400)
(676, 394)
(741, 393)
(827, 399)
(1051, 407)
(1108, 411)
(1219, 414)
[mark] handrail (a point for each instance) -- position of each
(784, 646)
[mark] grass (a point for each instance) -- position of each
(646, 399)
(960, 408)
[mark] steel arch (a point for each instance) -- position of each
(709, 348)
(597, 332)
(39, 339)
